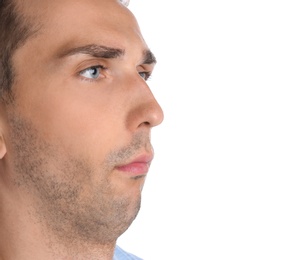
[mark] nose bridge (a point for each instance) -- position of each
(146, 110)
(153, 109)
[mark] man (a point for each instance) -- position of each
(75, 120)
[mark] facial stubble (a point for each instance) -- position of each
(64, 203)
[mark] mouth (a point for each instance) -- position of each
(137, 167)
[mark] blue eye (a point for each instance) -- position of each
(144, 75)
(92, 72)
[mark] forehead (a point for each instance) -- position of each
(69, 22)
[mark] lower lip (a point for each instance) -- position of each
(135, 169)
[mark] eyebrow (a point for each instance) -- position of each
(98, 51)
(101, 51)
(149, 57)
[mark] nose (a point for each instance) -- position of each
(146, 111)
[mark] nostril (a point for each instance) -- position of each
(147, 114)
(146, 123)
(154, 114)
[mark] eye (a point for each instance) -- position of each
(144, 74)
(92, 72)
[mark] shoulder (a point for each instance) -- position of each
(120, 254)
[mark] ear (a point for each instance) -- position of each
(3, 149)
(2, 145)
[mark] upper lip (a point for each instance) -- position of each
(143, 158)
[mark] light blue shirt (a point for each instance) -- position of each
(120, 254)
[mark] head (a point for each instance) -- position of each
(76, 114)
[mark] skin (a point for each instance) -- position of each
(67, 190)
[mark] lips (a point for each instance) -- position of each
(138, 166)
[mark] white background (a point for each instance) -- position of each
(222, 183)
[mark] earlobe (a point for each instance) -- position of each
(2, 146)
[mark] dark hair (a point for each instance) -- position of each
(15, 29)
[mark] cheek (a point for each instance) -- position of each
(89, 129)
(80, 118)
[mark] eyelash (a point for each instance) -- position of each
(100, 68)
(146, 75)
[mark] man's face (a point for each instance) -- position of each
(79, 128)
